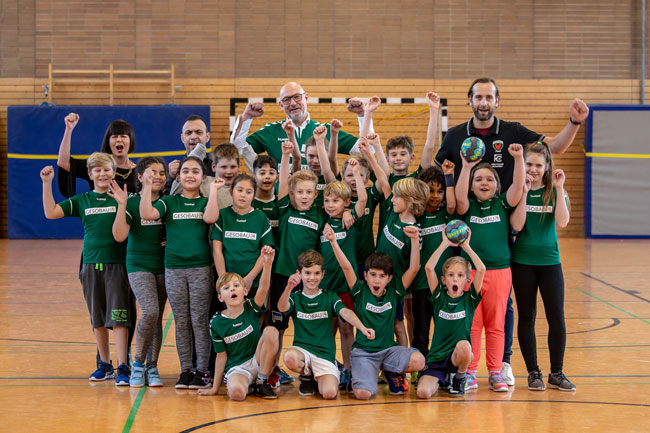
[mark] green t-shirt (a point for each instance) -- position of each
(97, 212)
(270, 137)
(270, 209)
(299, 232)
(452, 320)
(490, 225)
(145, 251)
(432, 228)
(238, 337)
(366, 236)
(536, 243)
(242, 236)
(312, 322)
(392, 240)
(187, 235)
(334, 279)
(377, 313)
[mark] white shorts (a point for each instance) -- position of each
(317, 366)
(248, 368)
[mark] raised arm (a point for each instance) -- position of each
(211, 213)
(518, 174)
(283, 302)
(319, 137)
(430, 267)
(296, 157)
(518, 216)
(147, 211)
(578, 113)
(561, 208)
(63, 159)
(266, 254)
(120, 227)
(462, 186)
(450, 193)
(362, 194)
(478, 264)
(333, 150)
(349, 272)
(381, 181)
(50, 208)
(429, 149)
(414, 259)
(283, 187)
(242, 126)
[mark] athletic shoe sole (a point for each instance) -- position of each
(550, 385)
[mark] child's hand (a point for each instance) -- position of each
(288, 128)
(373, 103)
(579, 110)
(528, 182)
(293, 281)
(47, 174)
(268, 253)
(147, 177)
(433, 101)
(448, 167)
(373, 140)
(71, 121)
(465, 244)
(468, 164)
(328, 232)
(320, 132)
(120, 195)
(355, 105)
(347, 219)
(355, 167)
(516, 150)
(369, 333)
(364, 148)
(335, 126)
(558, 178)
(412, 232)
(217, 183)
(173, 168)
(208, 391)
(287, 148)
(253, 109)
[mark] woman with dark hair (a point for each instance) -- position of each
(118, 141)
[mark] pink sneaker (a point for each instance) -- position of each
(496, 383)
(472, 382)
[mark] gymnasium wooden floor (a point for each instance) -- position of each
(47, 352)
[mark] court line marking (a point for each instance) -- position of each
(632, 293)
(614, 306)
(136, 404)
(301, 409)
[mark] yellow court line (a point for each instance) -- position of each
(616, 155)
(131, 155)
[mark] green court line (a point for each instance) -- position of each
(138, 400)
(614, 306)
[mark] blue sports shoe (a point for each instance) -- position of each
(104, 371)
(123, 374)
(345, 382)
(153, 377)
(137, 375)
(285, 378)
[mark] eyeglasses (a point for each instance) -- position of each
(189, 132)
(297, 98)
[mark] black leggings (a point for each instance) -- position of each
(526, 279)
(422, 314)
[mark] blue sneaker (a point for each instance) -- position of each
(346, 379)
(104, 371)
(153, 377)
(137, 375)
(285, 378)
(123, 374)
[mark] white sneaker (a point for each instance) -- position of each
(506, 374)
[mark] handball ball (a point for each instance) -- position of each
(472, 148)
(456, 231)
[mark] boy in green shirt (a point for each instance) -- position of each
(453, 312)
(313, 310)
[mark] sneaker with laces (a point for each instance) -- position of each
(457, 388)
(346, 379)
(274, 378)
(137, 375)
(152, 376)
(264, 390)
(307, 385)
(184, 379)
(496, 382)
(285, 378)
(104, 371)
(123, 374)
(559, 381)
(397, 384)
(535, 382)
(201, 380)
(471, 381)
(506, 374)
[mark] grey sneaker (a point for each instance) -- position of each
(506, 374)
(559, 381)
(535, 382)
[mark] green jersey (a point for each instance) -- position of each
(489, 222)
(270, 209)
(145, 251)
(392, 178)
(452, 321)
(312, 322)
(432, 227)
(536, 243)
(378, 313)
(334, 279)
(238, 336)
(97, 212)
(269, 139)
(242, 236)
(187, 235)
(392, 240)
(299, 232)
(366, 237)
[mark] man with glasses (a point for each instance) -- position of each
(293, 101)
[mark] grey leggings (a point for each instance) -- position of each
(149, 290)
(189, 291)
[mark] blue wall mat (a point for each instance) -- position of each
(34, 134)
